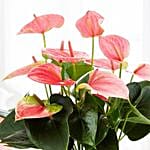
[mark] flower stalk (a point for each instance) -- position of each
(92, 57)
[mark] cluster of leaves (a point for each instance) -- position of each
(92, 107)
(87, 123)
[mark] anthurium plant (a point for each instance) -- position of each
(93, 108)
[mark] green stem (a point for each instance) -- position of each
(44, 39)
(120, 70)
(46, 92)
(124, 124)
(74, 71)
(81, 147)
(131, 78)
(50, 89)
(92, 58)
(141, 116)
(74, 147)
(64, 90)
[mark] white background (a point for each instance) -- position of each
(128, 18)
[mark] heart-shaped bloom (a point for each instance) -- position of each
(22, 71)
(105, 63)
(143, 71)
(114, 47)
(49, 74)
(89, 24)
(43, 24)
(108, 85)
(32, 107)
(65, 55)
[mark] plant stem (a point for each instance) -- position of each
(50, 89)
(131, 78)
(92, 58)
(120, 70)
(46, 91)
(74, 71)
(44, 39)
(123, 127)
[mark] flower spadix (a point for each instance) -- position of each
(65, 55)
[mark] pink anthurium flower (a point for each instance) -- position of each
(49, 74)
(22, 71)
(114, 47)
(105, 63)
(65, 55)
(143, 71)
(89, 24)
(107, 85)
(32, 107)
(43, 24)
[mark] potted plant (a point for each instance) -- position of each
(94, 107)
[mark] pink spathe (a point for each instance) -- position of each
(49, 74)
(89, 24)
(114, 47)
(43, 24)
(143, 71)
(108, 85)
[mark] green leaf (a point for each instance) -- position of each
(9, 126)
(95, 102)
(110, 142)
(89, 115)
(51, 133)
(76, 70)
(83, 121)
(136, 131)
(18, 139)
(75, 124)
(102, 129)
(114, 114)
(137, 126)
(13, 133)
(135, 91)
(89, 118)
(140, 120)
(144, 83)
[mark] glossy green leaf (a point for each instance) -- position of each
(137, 126)
(13, 133)
(102, 129)
(135, 91)
(18, 139)
(75, 125)
(114, 114)
(76, 70)
(51, 133)
(9, 126)
(136, 131)
(89, 118)
(110, 142)
(89, 115)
